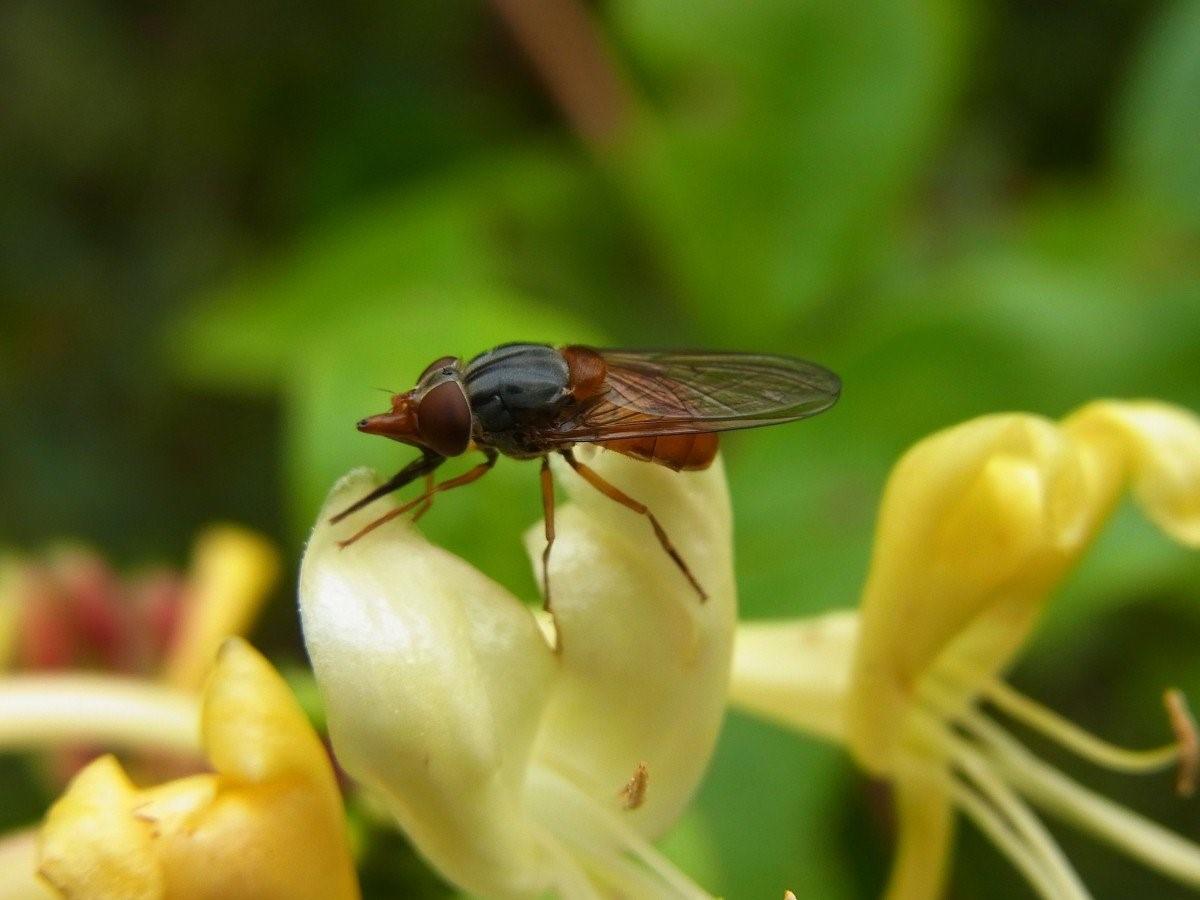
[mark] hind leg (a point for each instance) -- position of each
(614, 493)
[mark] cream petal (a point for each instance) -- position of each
(796, 672)
(503, 760)
(434, 679)
(644, 662)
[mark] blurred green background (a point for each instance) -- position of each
(225, 225)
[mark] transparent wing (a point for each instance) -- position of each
(691, 392)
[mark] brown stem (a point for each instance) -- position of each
(566, 46)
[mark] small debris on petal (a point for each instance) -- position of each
(1188, 740)
(634, 792)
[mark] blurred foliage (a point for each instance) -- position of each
(226, 225)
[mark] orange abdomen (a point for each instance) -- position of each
(681, 452)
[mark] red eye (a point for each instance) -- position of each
(444, 419)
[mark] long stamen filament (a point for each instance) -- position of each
(1141, 838)
(59, 709)
(1069, 735)
(1001, 834)
(612, 833)
(570, 878)
(1188, 738)
(1025, 826)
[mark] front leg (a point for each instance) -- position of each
(467, 477)
(423, 465)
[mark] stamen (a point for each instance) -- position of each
(1003, 837)
(603, 831)
(1141, 838)
(1184, 727)
(1083, 743)
(1024, 825)
(633, 794)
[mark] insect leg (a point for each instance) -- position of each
(548, 514)
(458, 481)
(423, 465)
(614, 493)
(428, 497)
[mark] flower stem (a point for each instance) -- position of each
(58, 709)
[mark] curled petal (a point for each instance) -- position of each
(233, 571)
(434, 679)
(1157, 448)
(974, 519)
(268, 824)
(979, 524)
(645, 663)
(92, 846)
(504, 760)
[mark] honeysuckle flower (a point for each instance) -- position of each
(267, 822)
(18, 868)
(67, 611)
(517, 770)
(979, 524)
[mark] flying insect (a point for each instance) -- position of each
(528, 401)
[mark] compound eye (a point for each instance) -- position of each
(447, 365)
(444, 419)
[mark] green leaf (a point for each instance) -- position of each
(1158, 126)
(367, 304)
(787, 137)
(769, 803)
(404, 259)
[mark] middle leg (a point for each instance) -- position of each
(548, 515)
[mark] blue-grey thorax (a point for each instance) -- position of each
(515, 386)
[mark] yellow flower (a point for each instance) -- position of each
(18, 868)
(67, 613)
(517, 770)
(233, 570)
(979, 524)
(268, 823)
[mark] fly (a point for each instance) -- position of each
(528, 401)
